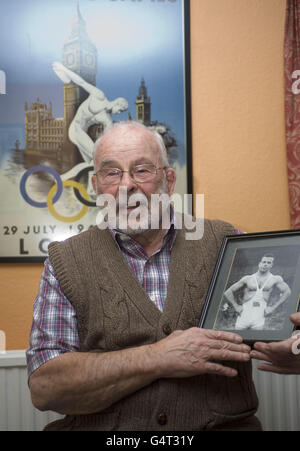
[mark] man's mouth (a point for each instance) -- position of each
(124, 208)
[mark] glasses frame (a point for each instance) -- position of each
(130, 172)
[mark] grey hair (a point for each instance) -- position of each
(268, 255)
(158, 137)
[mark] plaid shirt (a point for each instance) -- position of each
(54, 327)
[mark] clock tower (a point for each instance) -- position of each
(143, 105)
(80, 56)
(79, 53)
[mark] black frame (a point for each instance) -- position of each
(188, 128)
(248, 248)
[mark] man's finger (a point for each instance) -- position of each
(259, 356)
(225, 336)
(295, 318)
(216, 368)
(275, 348)
(268, 348)
(226, 345)
(225, 354)
(260, 346)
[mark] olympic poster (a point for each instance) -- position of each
(69, 69)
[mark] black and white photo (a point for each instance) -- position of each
(255, 286)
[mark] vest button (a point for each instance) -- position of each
(167, 329)
(162, 419)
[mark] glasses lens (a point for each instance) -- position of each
(143, 173)
(109, 176)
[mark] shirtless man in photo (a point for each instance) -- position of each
(257, 289)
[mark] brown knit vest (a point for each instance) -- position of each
(114, 312)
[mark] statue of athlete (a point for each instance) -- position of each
(96, 109)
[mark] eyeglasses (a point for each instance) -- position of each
(141, 173)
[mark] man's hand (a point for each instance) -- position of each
(238, 308)
(199, 351)
(282, 357)
(268, 311)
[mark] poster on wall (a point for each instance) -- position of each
(68, 70)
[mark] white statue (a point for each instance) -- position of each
(96, 109)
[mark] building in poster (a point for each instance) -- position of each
(47, 137)
(143, 115)
(143, 105)
(42, 131)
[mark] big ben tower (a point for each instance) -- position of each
(79, 55)
(143, 105)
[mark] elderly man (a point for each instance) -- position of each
(114, 342)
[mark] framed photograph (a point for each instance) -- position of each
(255, 286)
(68, 70)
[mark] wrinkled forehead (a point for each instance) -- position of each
(128, 142)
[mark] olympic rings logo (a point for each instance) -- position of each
(55, 192)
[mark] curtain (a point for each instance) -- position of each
(292, 106)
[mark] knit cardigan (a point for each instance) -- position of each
(114, 312)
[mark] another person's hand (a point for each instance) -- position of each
(282, 357)
(199, 351)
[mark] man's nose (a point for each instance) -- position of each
(128, 182)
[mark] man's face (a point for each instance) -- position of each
(125, 148)
(265, 264)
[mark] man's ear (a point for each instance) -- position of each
(171, 180)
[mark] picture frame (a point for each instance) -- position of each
(255, 286)
(138, 52)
